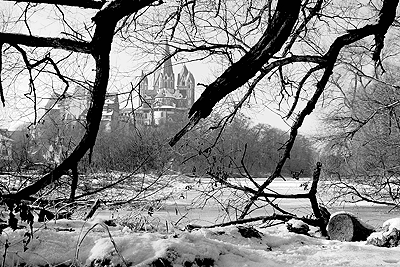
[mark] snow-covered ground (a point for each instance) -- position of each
(94, 244)
(162, 241)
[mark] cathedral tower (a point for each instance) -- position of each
(185, 86)
(164, 101)
(164, 79)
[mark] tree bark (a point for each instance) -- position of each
(347, 227)
(276, 34)
(77, 3)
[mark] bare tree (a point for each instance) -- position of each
(106, 21)
(260, 42)
(271, 54)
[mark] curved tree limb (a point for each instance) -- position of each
(331, 58)
(3, 101)
(276, 34)
(36, 41)
(238, 74)
(100, 47)
(77, 3)
(272, 40)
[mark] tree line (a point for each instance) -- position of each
(242, 147)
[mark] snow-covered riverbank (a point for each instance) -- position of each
(158, 238)
(94, 244)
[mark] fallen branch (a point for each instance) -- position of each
(322, 218)
(274, 217)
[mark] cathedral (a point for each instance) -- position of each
(168, 98)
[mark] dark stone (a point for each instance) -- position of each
(298, 228)
(249, 232)
(388, 240)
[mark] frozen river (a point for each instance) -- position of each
(180, 209)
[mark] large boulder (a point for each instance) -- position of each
(345, 226)
(388, 236)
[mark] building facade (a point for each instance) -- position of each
(166, 99)
(71, 109)
(110, 115)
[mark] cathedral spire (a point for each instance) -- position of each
(168, 63)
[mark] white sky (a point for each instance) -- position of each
(204, 73)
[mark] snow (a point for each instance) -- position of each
(296, 223)
(92, 242)
(392, 223)
(387, 228)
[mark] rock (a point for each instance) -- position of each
(389, 236)
(249, 232)
(297, 226)
(385, 239)
(344, 226)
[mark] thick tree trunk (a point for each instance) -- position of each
(345, 226)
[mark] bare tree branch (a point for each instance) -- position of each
(331, 57)
(76, 3)
(240, 72)
(35, 41)
(1, 82)
(100, 47)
